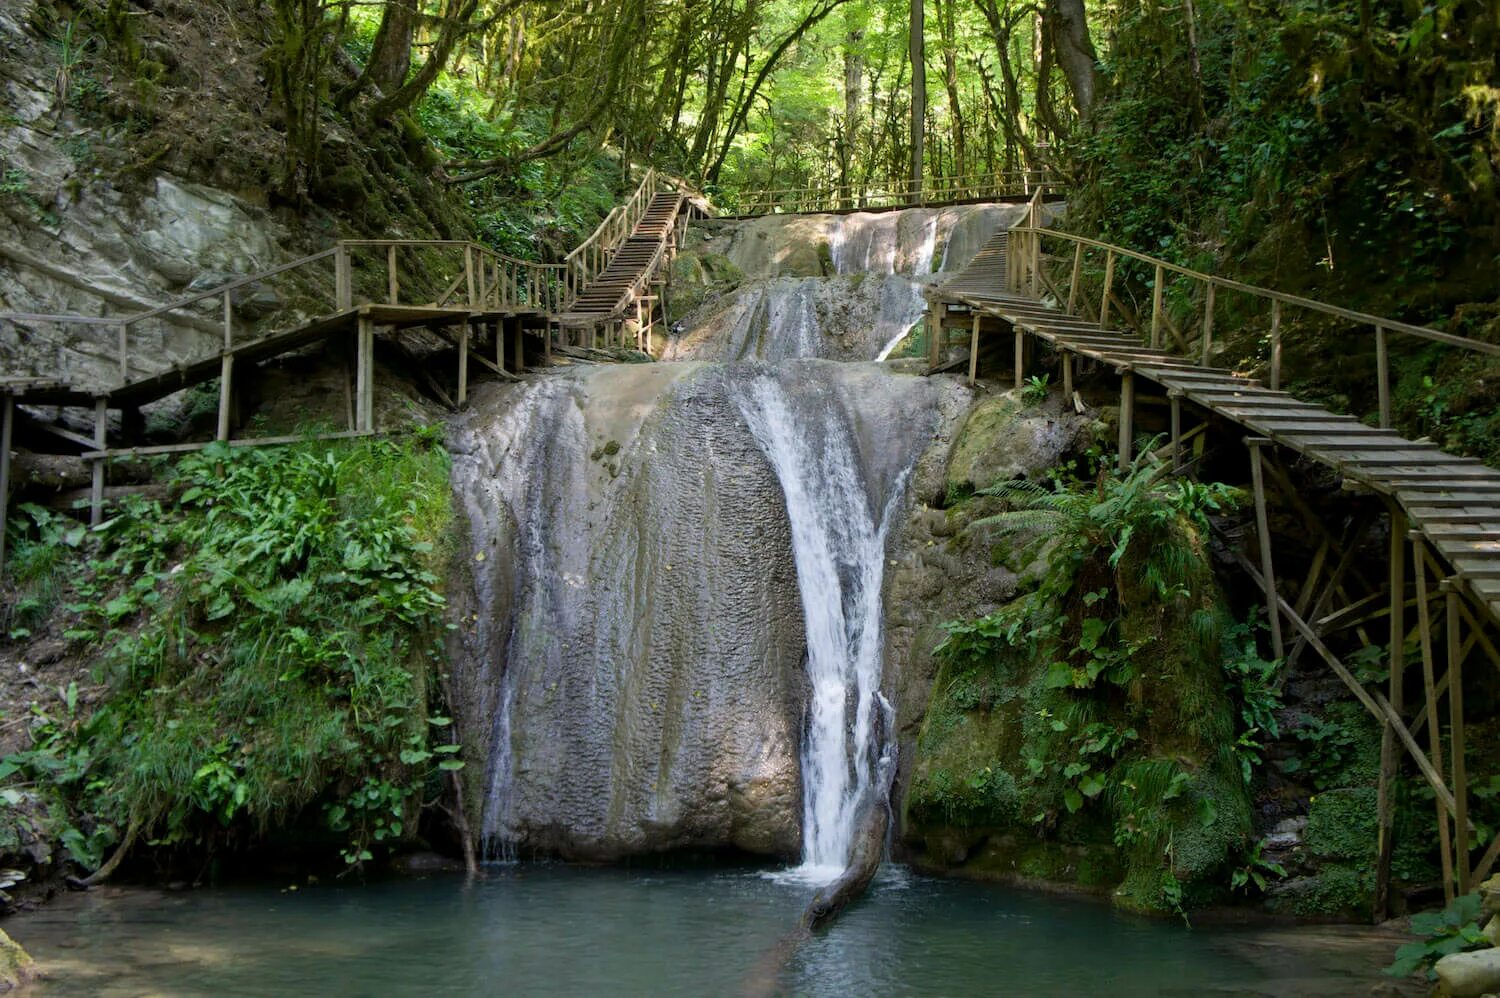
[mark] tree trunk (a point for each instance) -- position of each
(917, 52)
(1067, 27)
(390, 58)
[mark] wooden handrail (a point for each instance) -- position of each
(1359, 318)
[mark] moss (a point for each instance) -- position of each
(1341, 824)
(16, 965)
(1337, 891)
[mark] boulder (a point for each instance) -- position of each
(1003, 439)
(1469, 975)
(17, 968)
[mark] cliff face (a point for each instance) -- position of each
(137, 155)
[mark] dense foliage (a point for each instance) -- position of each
(1144, 706)
(270, 648)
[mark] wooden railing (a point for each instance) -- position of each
(1173, 286)
(412, 272)
(887, 192)
(592, 255)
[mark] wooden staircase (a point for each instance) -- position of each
(621, 290)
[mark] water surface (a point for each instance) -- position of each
(556, 930)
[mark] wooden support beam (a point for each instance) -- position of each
(226, 395)
(500, 345)
(1157, 288)
(1067, 376)
(974, 351)
(1020, 357)
(364, 395)
(1175, 400)
(1385, 808)
(1077, 276)
(1456, 734)
(101, 441)
(1208, 324)
(1109, 280)
(1275, 344)
(1430, 695)
(517, 348)
(1383, 376)
(392, 280)
(1127, 420)
(463, 363)
(1263, 531)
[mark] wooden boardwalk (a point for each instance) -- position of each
(622, 289)
(1442, 545)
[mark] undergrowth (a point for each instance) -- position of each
(1143, 705)
(272, 648)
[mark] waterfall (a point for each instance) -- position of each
(838, 544)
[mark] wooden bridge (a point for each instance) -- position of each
(1442, 511)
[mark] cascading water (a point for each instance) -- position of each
(838, 542)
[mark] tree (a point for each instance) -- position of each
(917, 50)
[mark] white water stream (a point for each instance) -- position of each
(839, 548)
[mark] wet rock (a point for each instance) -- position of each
(17, 968)
(631, 647)
(1469, 975)
(1004, 439)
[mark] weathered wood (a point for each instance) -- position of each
(1020, 360)
(392, 277)
(1385, 802)
(463, 364)
(1263, 532)
(1127, 420)
(1109, 280)
(1275, 344)
(1383, 376)
(1176, 403)
(1208, 324)
(1456, 733)
(1077, 276)
(364, 396)
(974, 351)
(226, 395)
(101, 423)
(1430, 696)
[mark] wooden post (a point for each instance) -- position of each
(974, 351)
(1430, 696)
(1385, 808)
(1077, 276)
(1383, 376)
(7, 427)
(124, 352)
(547, 342)
(1263, 528)
(96, 492)
(1208, 322)
(1067, 371)
(1156, 305)
(1127, 420)
(343, 279)
(1176, 402)
(1109, 280)
(226, 395)
(393, 282)
(1035, 241)
(1456, 733)
(1020, 357)
(1275, 345)
(365, 375)
(500, 343)
(463, 364)
(469, 275)
(935, 334)
(517, 347)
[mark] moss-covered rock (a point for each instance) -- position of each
(17, 968)
(1341, 824)
(1003, 438)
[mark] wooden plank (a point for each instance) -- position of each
(101, 423)
(1263, 532)
(1456, 733)
(1430, 697)
(1385, 803)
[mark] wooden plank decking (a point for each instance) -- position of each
(630, 269)
(1455, 501)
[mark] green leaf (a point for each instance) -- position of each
(1073, 799)
(451, 765)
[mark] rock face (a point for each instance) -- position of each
(1003, 439)
(17, 968)
(630, 652)
(841, 287)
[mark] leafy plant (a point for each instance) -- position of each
(1034, 392)
(1455, 929)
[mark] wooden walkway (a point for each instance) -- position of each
(622, 289)
(1443, 542)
